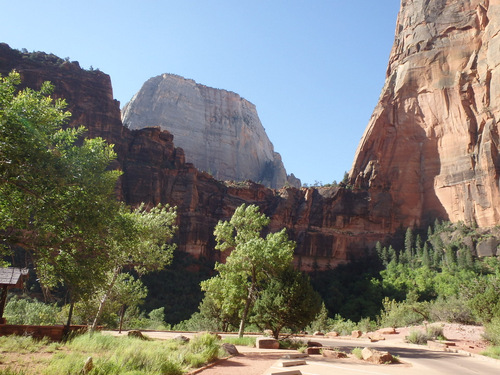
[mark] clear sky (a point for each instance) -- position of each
(313, 68)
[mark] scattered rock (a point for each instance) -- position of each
(356, 334)
(136, 333)
(88, 366)
(318, 333)
(181, 338)
(374, 336)
(377, 357)
(332, 334)
(314, 350)
(267, 343)
(314, 343)
(331, 353)
(387, 331)
(230, 349)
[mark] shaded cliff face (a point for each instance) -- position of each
(432, 143)
(330, 225)
(219, 131)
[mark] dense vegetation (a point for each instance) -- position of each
(110, 355)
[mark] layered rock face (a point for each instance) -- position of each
(431, 148)
(330, 225)
(219, 131)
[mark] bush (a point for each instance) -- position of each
(30, 311)
(435, 332)
(401, 314)
(492, 331)
(417, 337)
(451, 309)
(342, 326)
(357, 353)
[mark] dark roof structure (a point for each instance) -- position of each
(11, 276)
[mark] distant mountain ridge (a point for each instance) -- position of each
(220, 132)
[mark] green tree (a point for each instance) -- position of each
(287, 301)
(253, 260)
(56, 189)
(139, 241)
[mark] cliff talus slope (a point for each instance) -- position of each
(219, 131)
(432, 144)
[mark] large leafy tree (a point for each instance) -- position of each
(56, 191)
(254, 260)
(139, 242)
(288, 301)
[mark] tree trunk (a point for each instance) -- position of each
(245, 311)
(122, 314)
(104, 299)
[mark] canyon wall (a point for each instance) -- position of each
(219, 131)
(330, 225)
(431, 148)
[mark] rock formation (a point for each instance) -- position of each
(431, 148)
(330, 225)
(219, 131)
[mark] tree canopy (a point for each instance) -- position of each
(57, 198)
(253, 261)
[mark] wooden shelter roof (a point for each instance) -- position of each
(11, 276)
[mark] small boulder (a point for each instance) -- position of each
(230, 348)
(314, 343)
(314, 350)
(377, 357)
(331, 353)
(318, 333)
(181, 338)
(267, 343)
(387, 331)
(356, 334)
(136, 333)
(332, 334)
(87, 366)
(374, 336)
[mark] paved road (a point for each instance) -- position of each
(415, 359)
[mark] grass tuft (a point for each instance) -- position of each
(492, 351)
(242, 341)
(357, 353)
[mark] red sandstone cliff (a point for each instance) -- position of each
(431, 148)
(330, 225)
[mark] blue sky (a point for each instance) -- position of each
(314, 69)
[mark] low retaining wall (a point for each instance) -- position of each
(55, 333)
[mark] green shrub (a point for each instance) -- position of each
(367, 325)
(435, 332)
(417, 337)
(292, 344)
(30, 311)
(357, 353)
(342, 326)
(492, 331)
(492, 351)
(401, 314)
(451, 309)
